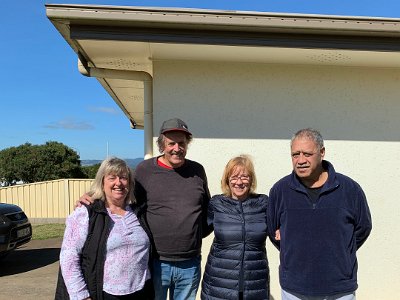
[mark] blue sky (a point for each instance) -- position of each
(43, 97)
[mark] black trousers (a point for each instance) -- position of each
(146, 293)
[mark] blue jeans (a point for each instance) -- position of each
(181, 278)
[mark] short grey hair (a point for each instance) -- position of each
(161, 141)
(310, 134)
(115, 166)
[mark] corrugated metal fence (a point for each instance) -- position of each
(48, 201)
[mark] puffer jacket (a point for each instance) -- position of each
(237, 261)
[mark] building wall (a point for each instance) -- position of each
(235, 108)
(47, 201)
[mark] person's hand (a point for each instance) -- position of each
(84, 199)
(278, 235)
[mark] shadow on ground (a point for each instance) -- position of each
(27, 260)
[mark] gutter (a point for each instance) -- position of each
(223, 20)
(147, 80)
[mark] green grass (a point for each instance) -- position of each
(47, 231)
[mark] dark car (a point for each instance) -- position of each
(15, 228)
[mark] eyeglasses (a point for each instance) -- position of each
(243, 178)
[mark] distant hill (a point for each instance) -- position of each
(132, 162)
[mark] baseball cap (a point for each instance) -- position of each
(174, 124)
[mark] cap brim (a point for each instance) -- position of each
(176, 129)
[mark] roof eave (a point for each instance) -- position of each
(221, 20)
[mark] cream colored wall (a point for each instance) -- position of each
(254, 108)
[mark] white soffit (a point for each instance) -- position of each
(131, 38)
(125, 55)
(138, 56)
(132, 93)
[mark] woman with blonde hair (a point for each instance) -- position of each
(106, 247)
(237, 265)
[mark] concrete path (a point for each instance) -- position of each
(30, 272)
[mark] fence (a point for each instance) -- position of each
(48, 201)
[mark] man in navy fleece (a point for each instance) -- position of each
(323, 218)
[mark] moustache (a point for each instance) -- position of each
(176, 152)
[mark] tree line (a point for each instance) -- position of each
(32, 163)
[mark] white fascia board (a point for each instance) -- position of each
(223, 20)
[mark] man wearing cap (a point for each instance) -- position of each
(175, 190)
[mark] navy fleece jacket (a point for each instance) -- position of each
(319, 241)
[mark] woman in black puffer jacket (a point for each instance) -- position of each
(237, 265)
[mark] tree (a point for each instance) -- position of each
(91, 171)
(7, 161)
(32, 163)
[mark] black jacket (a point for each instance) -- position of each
(237, 261)
(94, 249)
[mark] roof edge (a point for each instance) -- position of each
(220, 19)
(217, 11)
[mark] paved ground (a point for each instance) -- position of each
(30, 272)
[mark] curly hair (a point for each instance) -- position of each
(161, 141)
(311, 134)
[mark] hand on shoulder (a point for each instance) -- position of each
(84, 199)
